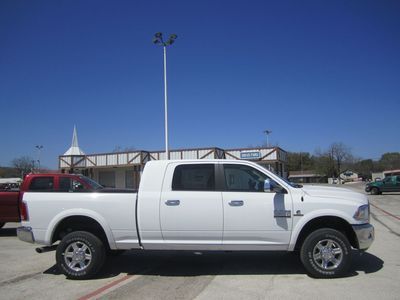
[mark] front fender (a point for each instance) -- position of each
(299, 225)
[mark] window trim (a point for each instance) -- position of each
(53, 189)
(195, 190)
(225, 187)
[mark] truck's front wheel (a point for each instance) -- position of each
(80, 255)
(326, 253)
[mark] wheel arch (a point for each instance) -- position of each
(332, 222)
(81, 222)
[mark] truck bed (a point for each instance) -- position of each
(113, 209)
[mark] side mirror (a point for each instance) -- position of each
(272, 186)
(267, 186)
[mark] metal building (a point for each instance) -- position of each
(122, 170)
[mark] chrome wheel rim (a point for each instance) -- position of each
(77, 256)
(327, 254)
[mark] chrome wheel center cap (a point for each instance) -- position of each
(78, 256)
(327, 253)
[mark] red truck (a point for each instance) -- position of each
(12, 211)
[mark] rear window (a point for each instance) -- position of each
(40, 184)
(200, 177)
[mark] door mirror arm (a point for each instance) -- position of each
(280, 190)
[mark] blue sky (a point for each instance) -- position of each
(313, 72)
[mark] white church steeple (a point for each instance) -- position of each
(74, 150)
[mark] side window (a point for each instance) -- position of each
(68, 184)
(199, 177)
(77, 186)
(64, 184)
(41, 184)
(243, 179)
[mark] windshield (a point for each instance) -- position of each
(292, 184)
(93, 184)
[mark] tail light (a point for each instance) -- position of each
(23, 209)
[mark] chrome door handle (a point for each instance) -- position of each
(172, 202)
(236, 203)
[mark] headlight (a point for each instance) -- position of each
(362, 213)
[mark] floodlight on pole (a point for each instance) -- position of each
(39, 149)
(267, 132)
(158, 40)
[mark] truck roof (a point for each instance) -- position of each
(199, 161)
(53, 174)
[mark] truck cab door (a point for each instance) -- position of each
(389, 184)
(190, 207)
(254, 218)
(397, 184)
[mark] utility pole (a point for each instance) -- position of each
(39, 149)
(267, 132)
(158, 40)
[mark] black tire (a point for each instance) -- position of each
(2, 224)
(326, 253)
(80, 255)
(375, 191)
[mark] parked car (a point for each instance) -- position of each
(388, 184)
(37, 183)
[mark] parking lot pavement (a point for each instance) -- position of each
(208, 275)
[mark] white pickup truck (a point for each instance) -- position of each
(201, 205)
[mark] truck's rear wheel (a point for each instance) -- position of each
(326, 253)
(80, 255)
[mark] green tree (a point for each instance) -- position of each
(324, 164)
(6, 172)
(299, 161)
(390, 161)
(364, 167)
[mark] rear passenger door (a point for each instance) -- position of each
(191, 207)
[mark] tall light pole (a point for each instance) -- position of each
(39, 149)
(158, 40)
(267, 132)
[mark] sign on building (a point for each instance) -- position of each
(250, 155)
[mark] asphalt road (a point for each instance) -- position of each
(232, 275)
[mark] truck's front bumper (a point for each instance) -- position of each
(365, 234)
(25, 234)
